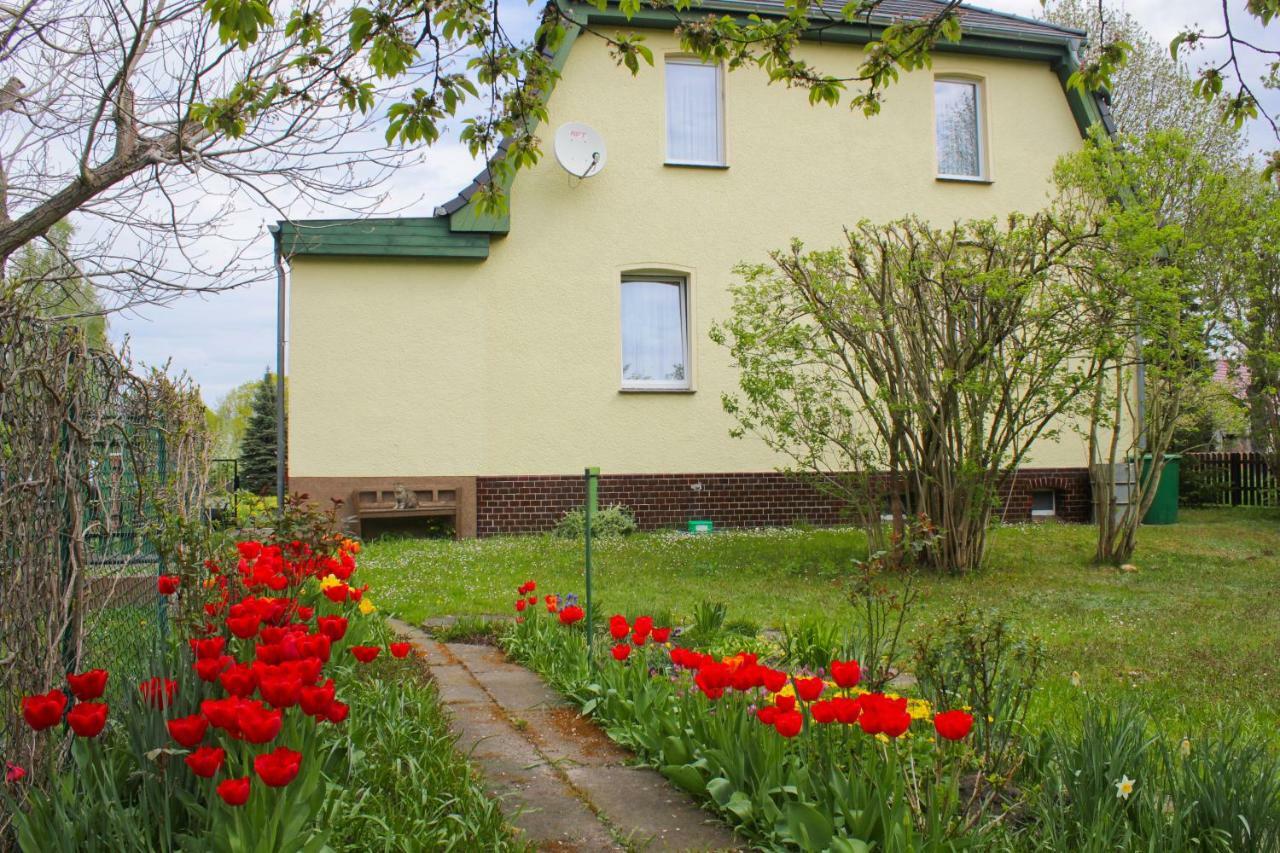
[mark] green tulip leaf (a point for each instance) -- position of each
(808, 826)
(674, 751)
(686, 777)
(721, 790)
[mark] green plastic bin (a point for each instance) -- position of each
(1164, 506)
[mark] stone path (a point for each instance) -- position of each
(561, 780)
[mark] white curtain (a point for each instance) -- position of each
(653, 337)
(693, 113)
(956, 105)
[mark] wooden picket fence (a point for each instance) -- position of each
(1233, 479)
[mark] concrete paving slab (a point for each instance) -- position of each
(518, 690)
(571, 740)
(648, 812)
(480, 658)
(456, 684)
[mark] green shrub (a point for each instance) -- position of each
(615, 520)
(973, 659)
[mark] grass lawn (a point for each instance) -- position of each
(1193, 634)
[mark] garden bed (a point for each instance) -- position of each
(798, 756)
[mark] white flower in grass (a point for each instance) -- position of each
(1124, 788)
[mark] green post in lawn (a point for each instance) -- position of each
(592, 477)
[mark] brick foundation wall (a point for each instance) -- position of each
(527, 504)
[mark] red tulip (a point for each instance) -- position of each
(661, 635)
(785, 703)
(333, 627)
(244, 627)
(621, 651)
(572, 613)
(774, 680)
(88, 685)
(167, 584)
(316, 700)
(208, 669)
(789, 723)
(533, 599)
(643, 626)
(953, 725)
(158, 691)
(188, 731)
(618, 627)
(882, 715)
(278, 767)
(846, 673)
(257, 724)
(223, 713)
(209, 649)
(809, 689)
(638, 639)
(206, 761)
(239, 680)
(234, 792)
(337, 593)
(823, 712)
(399, 650)
(280, 692)
(249, 550)
(365, 654)
(87, 718)
(315, 646)
(768, 714)
(521, 604)
(847, 709)
(336, 712)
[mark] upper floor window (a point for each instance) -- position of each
(695, 112)
(655, 333)
(957, 106)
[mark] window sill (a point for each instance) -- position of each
(625, 390)
(676, 164)
(961, 179)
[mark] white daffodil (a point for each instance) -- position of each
(1124, 788)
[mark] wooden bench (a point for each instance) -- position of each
(400, 501)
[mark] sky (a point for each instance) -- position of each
(224, 339)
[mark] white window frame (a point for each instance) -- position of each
(685, 384)
(980, 128)
(721, 160)
(1044, 513)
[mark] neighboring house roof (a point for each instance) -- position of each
(1233, 377)
(985, 32)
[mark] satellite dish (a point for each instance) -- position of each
(579, 149)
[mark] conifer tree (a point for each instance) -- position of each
(258, 447)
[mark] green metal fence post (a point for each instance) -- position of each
(592, 477)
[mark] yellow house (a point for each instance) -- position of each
(484, 361)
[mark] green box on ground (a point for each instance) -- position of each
(701, 526)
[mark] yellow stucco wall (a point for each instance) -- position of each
(511, 365)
